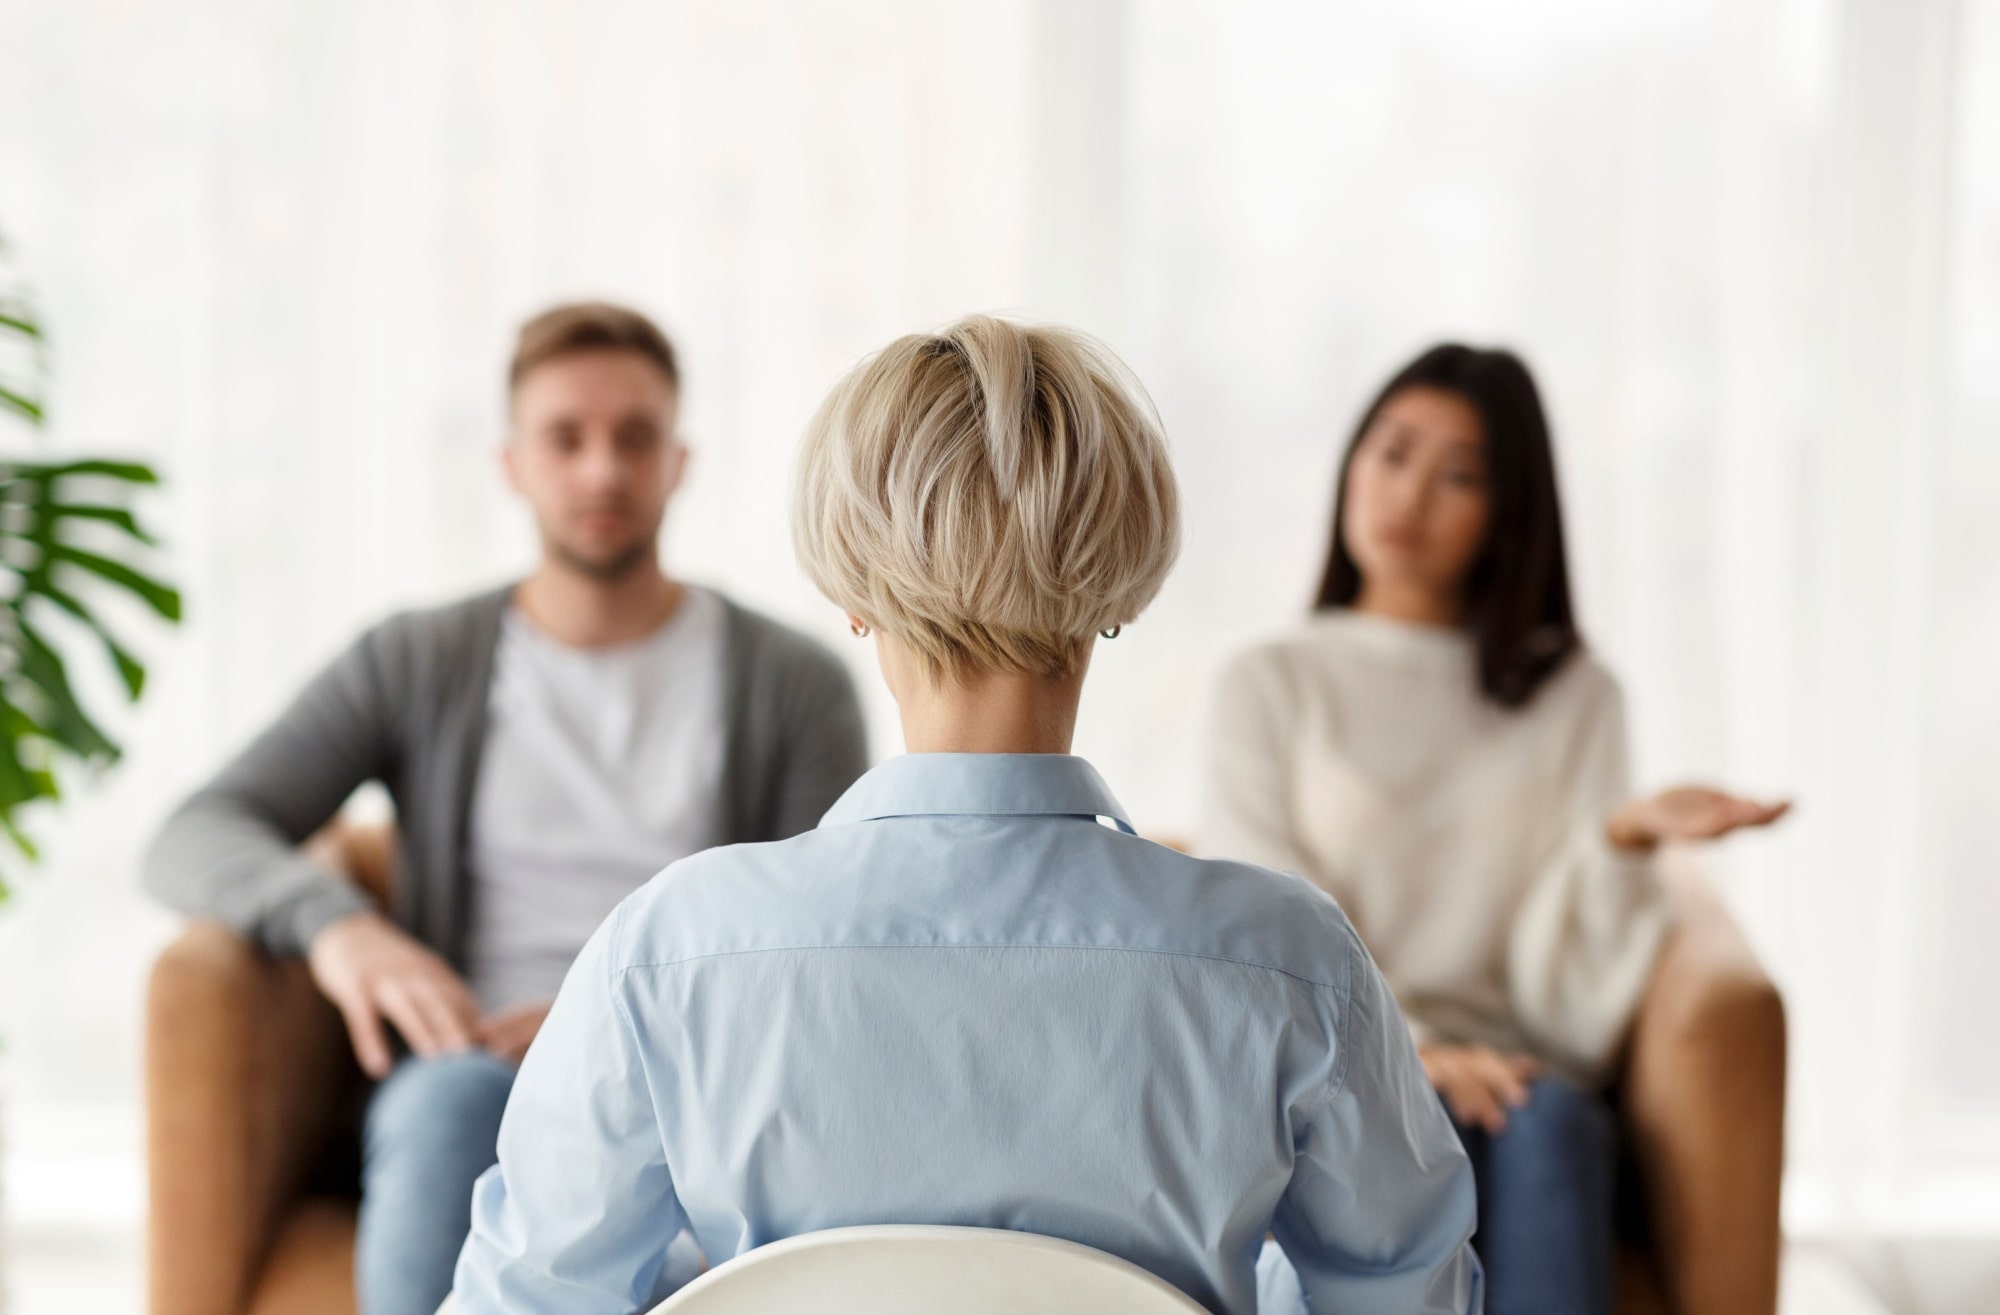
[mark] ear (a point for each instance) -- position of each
(677, 460)
(510, 462)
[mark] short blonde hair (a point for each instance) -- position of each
(992, 495)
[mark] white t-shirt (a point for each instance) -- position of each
(601, 766)
(1464, 840)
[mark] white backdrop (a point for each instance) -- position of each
(1753, 250)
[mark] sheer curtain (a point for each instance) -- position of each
(1753, 251)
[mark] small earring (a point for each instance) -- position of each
(1111, 633)
(861, 631)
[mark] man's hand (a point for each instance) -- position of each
(508, 1032)
(1479, 1084)
(1690, 812)
(373, 971)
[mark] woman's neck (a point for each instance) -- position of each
(991, 712)
(1408, 602)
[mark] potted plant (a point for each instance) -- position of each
(67, 535)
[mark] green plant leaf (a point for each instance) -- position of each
(16, 786)
(13, 401)
(67, 723)
(17, 724)
(21, 842)
(116, 516)
(130, 669)
(42, 724)
(132, 472)
(162, 598)
(20, 784)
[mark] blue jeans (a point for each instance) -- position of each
(432, 1129)
(1546, 1221)
(1546, 1227)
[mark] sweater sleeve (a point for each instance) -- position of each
(230, 852)
(1248, 764)
(1585, 937)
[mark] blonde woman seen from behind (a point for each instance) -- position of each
(1437, 749)
(972, 996)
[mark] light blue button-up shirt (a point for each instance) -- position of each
(965, 1000)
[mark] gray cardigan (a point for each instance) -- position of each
(406, 705)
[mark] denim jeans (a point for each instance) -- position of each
(431, 1130)
(1546, 1225)
(1547, 1229)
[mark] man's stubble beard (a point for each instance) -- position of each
(613, 570)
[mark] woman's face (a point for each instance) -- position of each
(1416, 505)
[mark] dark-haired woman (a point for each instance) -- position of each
(1437, 749)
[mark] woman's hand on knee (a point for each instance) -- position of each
(1479, 1084)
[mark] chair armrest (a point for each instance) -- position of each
(1705, 1103)
(365, 853)
(247, 1068)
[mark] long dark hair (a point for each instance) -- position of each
(1517, 602)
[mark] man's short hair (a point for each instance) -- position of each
(992, 495)
(590, 326)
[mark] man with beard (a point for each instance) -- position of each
(549, 747)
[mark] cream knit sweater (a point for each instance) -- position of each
(1465, 841)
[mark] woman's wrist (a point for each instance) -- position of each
(1628, 832)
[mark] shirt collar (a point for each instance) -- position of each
(1010, 784)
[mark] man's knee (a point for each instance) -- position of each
(440, 1102)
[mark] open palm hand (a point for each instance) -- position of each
(1688, 812)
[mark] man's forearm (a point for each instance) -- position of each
(231, 851)
(215, 858)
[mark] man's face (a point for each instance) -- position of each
(593, 451)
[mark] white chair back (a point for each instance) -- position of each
(910, 1270)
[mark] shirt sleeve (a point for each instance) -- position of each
(1585, 937)
(1380, 1211)
(578, 1215)
(1247, 811)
